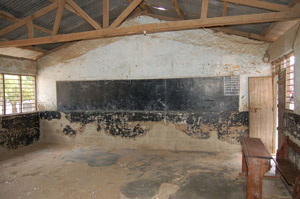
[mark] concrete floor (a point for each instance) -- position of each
(53, 171)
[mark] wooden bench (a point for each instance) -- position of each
(287, 168)
(255, 163)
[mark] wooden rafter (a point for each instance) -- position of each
(13, 26)
(225, 6)
(269, 29)
(7, 16)
(105, 13)
(22, 22)
(178, 10)
(160, 27)
(68, 7)
(204, 9)
(293, 3)
(125, 13)
(259, 4)
(59, 14)
(142, 7)
(243, 34)
(84, 15)
(30, 28)
(273, 25)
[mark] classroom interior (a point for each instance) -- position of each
(145, 99)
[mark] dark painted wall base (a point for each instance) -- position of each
(230, 125)
(292, 124)
(19, 130)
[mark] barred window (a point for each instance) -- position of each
(290, 66)
(17, 94)
(287, 63)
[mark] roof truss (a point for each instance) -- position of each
(281, 13)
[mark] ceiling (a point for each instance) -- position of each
(72, 22)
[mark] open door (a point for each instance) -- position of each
(281, 105)
(261, 118)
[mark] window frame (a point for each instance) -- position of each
(282, 64)
(21, 100)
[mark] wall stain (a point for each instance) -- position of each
(292, 124)
(292, 129)
(230, 125)
(49, 115)
(19, 130)
(69, 131)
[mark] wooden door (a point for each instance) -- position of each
(261, 121)
(281, 105)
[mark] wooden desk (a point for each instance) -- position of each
(255, 163)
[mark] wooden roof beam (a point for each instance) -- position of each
(59, 14)
(204, 9)
(225, 6)
(30, 28)
(260, 4)
(105, 13)
(243, 34)
(24, 21)
(84, 15)
(178, 10)
(58, 18)
(68, 7)
(10, 17)
(125, 13)
(273, 25)
(159, 27)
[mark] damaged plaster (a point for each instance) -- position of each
(19, 130)
(180, 54)
(292, 126)
(147, 129)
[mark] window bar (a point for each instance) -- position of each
(35, 93)
(4, 101)
(21, 104)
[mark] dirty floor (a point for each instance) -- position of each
(53, 171)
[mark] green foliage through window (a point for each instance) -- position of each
(17, 94)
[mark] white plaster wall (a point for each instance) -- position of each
(287, 43)
(190, 53)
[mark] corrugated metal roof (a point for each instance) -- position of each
(73, 23)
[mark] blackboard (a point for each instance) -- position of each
(183, 94)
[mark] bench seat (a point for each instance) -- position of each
(288, 170)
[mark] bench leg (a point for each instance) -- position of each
(244, 165)
(256, 170)
(297, 188)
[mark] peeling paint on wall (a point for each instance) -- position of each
(49, 115)
(292, 126)
(69, 131)
(229, 125)
(19, 130)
